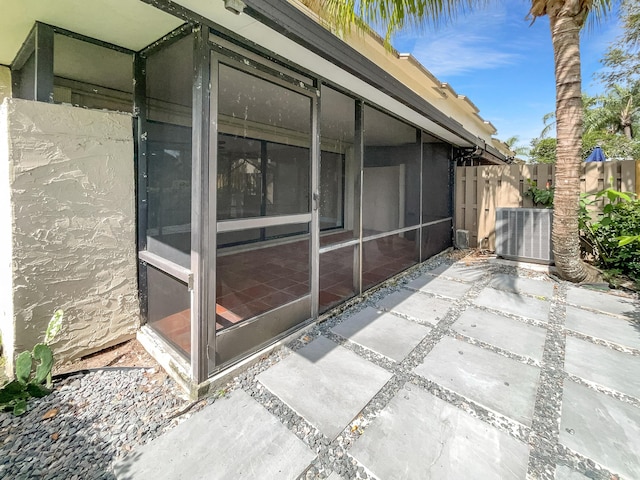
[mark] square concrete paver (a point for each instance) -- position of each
(604, 302)
(499, 383)
(231, 439)
(325, 383)
(514, 303)
(565, 473)
(605, 327)
(602, 428)
(418, 436)
(439, 286)
(503, 332)
(384, 333)
(416, 305)
(511, 283)
(604, 366)
(471, 272)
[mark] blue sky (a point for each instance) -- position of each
(504, 64)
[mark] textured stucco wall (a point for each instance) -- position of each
(6, 277)
(72, 193)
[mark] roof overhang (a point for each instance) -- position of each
(127, 23)
(280, 28)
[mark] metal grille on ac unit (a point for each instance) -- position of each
(524, 234)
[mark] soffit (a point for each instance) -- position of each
(127, 23)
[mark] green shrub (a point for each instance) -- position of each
(540, 196)
(612, 235)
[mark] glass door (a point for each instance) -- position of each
(265, 220)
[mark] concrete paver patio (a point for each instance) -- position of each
(502, 332)
(382, 333)
(463, 371)
(492, 380)
(326, 384)
(422, 308)
(395, 446)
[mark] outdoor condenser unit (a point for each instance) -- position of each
(524, 234)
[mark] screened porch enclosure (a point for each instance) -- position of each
(271, 198)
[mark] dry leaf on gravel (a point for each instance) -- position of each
(50, 414)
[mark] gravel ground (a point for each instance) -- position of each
(99, 417)
(94, 418)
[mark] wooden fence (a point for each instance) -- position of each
(480, 190)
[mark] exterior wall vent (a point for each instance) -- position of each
(462, 239)
(524, 234)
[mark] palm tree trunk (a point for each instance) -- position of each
(565, 36)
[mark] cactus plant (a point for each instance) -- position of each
(29, 383)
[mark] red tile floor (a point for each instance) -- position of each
(253, 282)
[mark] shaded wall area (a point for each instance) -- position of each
(69, 175)
(5, 82)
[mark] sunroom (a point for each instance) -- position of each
(278, 171)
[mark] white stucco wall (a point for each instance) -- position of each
(73, 225)
(5, 82)
(6, 276)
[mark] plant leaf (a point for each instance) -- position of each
(43, 356)
(23, 367)
(627, 239)
(20, 407)
(11, 391)
(55, 324)
(37, 391)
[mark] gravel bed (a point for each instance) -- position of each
(546, 415)
(95, 418)
(99, 417)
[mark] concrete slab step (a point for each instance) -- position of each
(235, 438)
(418, 436)
(383, 333)
(423, 308)
(514, 303)
(325, 383)
(604, 302)
(602, 428)
(503, 332)
(602, 365)
(504, 385)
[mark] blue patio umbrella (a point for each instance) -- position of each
(596, 155)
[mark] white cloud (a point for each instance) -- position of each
(468, 43)
(457, 54)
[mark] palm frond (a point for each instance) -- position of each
(549, 121)
(392, 16)
(599, 10)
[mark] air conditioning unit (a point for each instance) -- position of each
(524, 234)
